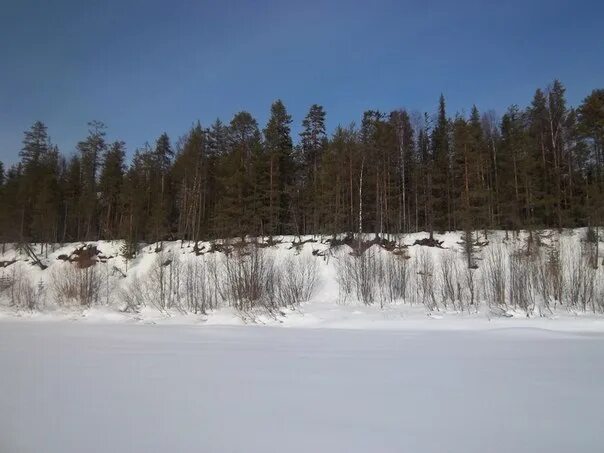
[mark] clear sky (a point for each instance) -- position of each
(144, 67)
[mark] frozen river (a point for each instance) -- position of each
(75, 387)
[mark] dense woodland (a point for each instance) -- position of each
(397, 172)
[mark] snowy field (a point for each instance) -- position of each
(86, 387)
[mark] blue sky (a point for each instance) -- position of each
(144, 67)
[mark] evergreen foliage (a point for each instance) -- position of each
(398, 172)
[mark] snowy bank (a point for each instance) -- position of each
(546, 279)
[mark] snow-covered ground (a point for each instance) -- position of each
(74, 386)
(323, 313)
(578, 305)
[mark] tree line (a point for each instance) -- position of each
(397, 172)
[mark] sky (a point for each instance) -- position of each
(145, 67)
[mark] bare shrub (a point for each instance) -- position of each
(580, 278)
(200, 285)
(358, 275)
(344, 277)
(425, 280)
(548, 277)
(250, 278)
(494, 276)
(533, 241)
(556, 274)
(134, 295)
(469, 296)
(448, 277)
(298, 280)
(521, 280)
(592, 249)
(373, 276)
(164, 279)
(394, 274)
(73, 285)
(365, 276)
(470, 243)
(162, 287)
(599, 294)
(24, 294)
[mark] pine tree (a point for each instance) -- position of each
(518, 163)
(538, 119)
(91, 150)
(10, 208)
(278, 149)
(45, 213)
(540, 167)
(481, 186)
(441, 184)
(557, 116)
(135, 201)
(237, 210)
(34, 157)
(426, 172)
(160, 188)
(71, 188)
(189, 174)
(312, 146)
(406, 166)
(217, 148)
(339, 178)
(492, 139)
(111, 185)
(591, 126)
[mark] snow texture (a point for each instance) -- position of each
(89, 387)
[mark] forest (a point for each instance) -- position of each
(398, 172)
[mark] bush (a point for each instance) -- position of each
(394, 277)
(249, 279)
(548, 277)
(580, 277)
(73, 285)
(448, 276)
(521, 273)
(24, 294)
(201, 286)
(494, 276)
(297, 280)
(131, 295)
(425, 280)
(358, 274)
(469, 295)
(164, 280)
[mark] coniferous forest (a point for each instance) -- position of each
(395, 172)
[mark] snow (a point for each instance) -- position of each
(325, 309)
(327, 375)
(100, 385)
(322, 314)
